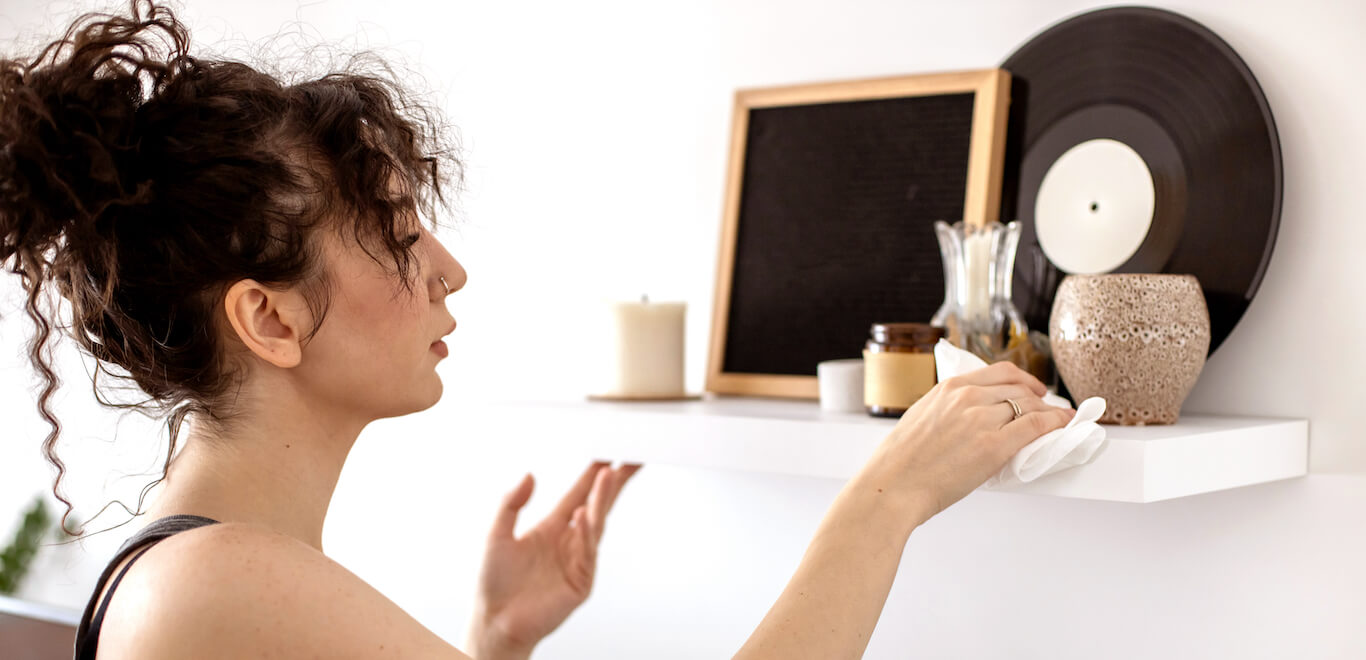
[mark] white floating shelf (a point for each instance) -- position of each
(1199, 454)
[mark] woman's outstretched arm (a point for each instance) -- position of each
(833, 601)
(946, 445)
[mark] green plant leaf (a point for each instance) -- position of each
(18, 555)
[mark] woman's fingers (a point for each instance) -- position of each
(1001, 373)
(629, 470)
(505, 523)
(578, 494)
(597, 503)
(1034, 423)
(604, 495)
(589, 537)
(581, 552)
(997, 400)
(994, 394)
(619, 478)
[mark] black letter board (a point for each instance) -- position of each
(832, 194)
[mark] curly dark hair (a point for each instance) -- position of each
(143, 182)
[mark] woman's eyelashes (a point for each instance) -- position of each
(410, 240)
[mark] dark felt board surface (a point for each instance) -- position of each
(836, 225)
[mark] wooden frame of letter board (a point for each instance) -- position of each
(991, 89)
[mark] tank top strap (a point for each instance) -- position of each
(88, 634)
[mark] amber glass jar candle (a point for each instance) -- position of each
(898, 366)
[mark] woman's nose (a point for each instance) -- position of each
(450, 275)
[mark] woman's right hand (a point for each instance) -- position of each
(961, 433)
(947, 444)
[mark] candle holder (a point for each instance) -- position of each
(978, 315)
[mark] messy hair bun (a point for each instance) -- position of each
(140, 182)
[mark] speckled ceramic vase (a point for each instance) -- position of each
(1139, 340)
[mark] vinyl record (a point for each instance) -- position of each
(1139, 142)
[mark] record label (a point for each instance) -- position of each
(1095, 206)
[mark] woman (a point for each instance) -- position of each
(250, 255)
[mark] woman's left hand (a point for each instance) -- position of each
(528, 586)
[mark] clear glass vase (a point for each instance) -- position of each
(978, 314)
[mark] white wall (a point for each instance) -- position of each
(595, 134)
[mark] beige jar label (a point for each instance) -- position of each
(896, 380)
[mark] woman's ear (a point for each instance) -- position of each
(270, 322)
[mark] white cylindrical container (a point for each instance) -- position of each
(841, 385)
(643, 354)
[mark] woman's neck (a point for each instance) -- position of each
(276, 470)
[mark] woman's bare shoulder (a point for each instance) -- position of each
(232, 590)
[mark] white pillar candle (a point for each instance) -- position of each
(977, 262)
(644, 350)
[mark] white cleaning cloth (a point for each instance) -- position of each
(1070, 446)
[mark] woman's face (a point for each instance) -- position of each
(376, 354)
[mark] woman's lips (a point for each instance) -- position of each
(439, 347)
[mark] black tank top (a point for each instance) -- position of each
(88, 634)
